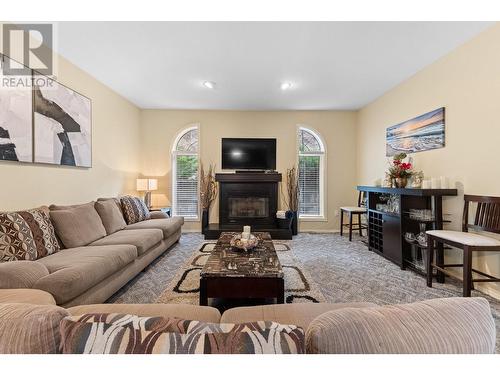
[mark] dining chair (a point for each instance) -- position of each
(351, 211)
(487, 219)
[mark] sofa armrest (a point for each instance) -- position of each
(159, 215)
(31, 296)
(440, 326)
(21, 274)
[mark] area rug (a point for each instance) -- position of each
(185, 286)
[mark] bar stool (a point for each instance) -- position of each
(351, 211)
(487, 218)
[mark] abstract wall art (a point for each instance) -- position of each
(425, 132)
(62, 125)
(16, 130)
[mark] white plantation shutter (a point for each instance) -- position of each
(311, 174)
(186, 186)
(309, 184)
(185, 176)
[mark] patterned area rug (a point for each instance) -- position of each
(185, 286)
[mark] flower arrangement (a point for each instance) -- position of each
(399, 171)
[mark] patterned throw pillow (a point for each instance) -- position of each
(130, 334)
(26, 235)
(134, 209)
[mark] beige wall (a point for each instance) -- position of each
(467, 83)
(115, 154)
(160, 127)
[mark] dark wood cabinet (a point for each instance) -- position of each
(391, 233)
(386, 230)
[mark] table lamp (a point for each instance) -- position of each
(148, 185)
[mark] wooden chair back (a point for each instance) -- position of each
(487, 215)
(361, 199)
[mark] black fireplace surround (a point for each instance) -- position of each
(248, 199)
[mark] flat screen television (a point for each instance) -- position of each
(249, 153)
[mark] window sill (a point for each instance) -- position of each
(313, 218)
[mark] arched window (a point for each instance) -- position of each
(185, 163)
(311, 151)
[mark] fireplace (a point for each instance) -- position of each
(248, 199)
(248, 207)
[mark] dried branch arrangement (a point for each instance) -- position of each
(291, 197)
(208, 186)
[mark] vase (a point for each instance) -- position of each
(204, 220)
(295, 223)
(400, 182)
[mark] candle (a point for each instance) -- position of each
(245, 236)
(246, 229)
(445, 182)
(436, 183)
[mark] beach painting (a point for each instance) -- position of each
(425, 132)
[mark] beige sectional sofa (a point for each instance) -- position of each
(107, 253)
(447, 325)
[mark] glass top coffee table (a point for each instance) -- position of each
(234, 273)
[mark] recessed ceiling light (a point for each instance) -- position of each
(286, 86)
(209, 85)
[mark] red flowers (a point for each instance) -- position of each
(399, 168)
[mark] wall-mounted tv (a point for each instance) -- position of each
(249, 153)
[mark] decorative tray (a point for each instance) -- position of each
(244, 244)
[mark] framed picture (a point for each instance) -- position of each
(16, 127)
(62, 124)
(425, 132)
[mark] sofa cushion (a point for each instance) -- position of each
(21, 274)
(183, 311)
(134, 209)
(73, 271)
(31, 296)
(129, 334)
(299, 314)
(143, 239)
(26, 235)
(78, 226)
(30, 329)
(439, 326)
(168, 226)
(111, 215)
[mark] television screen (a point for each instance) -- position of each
(249, 153)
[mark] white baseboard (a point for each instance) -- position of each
(319, 231)
(193, 230)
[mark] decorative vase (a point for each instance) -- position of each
(204, 220)
(400, 182)
(295, 222)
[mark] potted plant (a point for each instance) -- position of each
(291, 197)
(208, 193)
(399, 171)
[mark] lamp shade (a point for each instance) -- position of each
(147, 184)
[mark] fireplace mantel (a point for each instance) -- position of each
(248, 177)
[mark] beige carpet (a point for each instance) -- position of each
(184, 288)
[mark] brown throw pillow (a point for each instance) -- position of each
(26, 235)
(30, 329)
(130, 334)
(111, 216)
(134, 209)
(78, 226)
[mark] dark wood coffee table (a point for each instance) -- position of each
(234, 273)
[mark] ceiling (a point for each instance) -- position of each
(332, 65)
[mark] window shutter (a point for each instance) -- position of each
(309, 183)
(187, 186)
